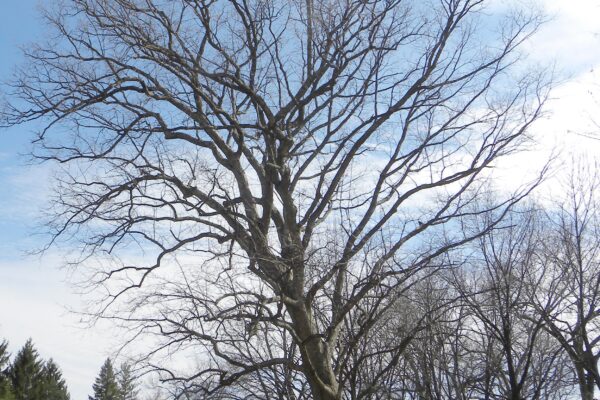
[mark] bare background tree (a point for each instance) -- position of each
(259, 182)
(479, 336)
(566, 294)
(522, 361)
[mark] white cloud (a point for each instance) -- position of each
(571, 37)
(566, 134)
(33, 294)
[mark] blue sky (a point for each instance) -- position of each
(19, 24)
(34, 292)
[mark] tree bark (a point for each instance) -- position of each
(315, 361)
(586, 384)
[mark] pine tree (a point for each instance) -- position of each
(26, 373)
(106, 386)
(5, 384)
(127, 383)
(53, 386)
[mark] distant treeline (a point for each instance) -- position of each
(28, 377)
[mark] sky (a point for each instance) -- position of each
(35, 294)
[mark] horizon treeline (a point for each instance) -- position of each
(29, 377)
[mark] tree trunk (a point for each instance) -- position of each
(586, 384)
(316, 364)
(586, 391)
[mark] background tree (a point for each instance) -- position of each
(479, 336)
(26, 373)
(255, 176)
(567, 292)
(127, 383)
(106, 386)
(5, 382)
(438, 362)
(522, 360)
(53, 386)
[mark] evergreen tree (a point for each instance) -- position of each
(106, 386)
(53, 386)
(26, 373)
(127, 383)
(5, 384)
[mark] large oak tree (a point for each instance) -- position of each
(259, 179)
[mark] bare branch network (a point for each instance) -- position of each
(262, 181)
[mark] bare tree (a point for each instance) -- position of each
(479, 336)
(523, 361)
(567, 292)
(438, 363)
(259, 178)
